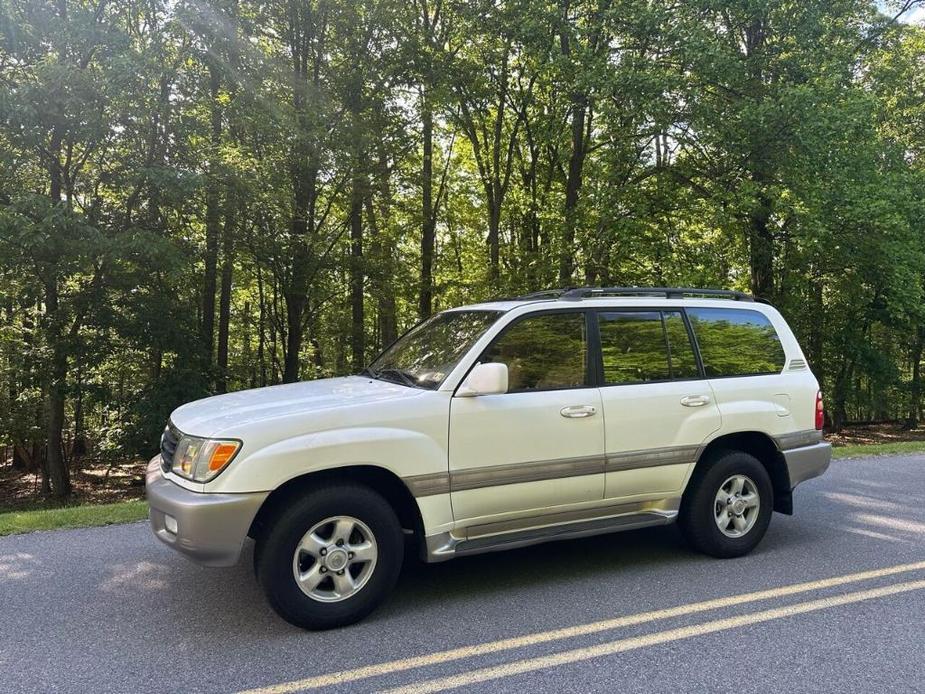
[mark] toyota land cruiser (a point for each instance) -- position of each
(555, 415)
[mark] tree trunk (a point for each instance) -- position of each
(915, 387)
(759, 236)
(307, 54)
(58, 473)
(817, 332)
(840, 396)
(20, 458)
(494, 233)
(383, 252)
(296, 293)
(213, 216)
(295, 309)
(157, 364)
(79, 447)
(428, 228)
(233, 209)
(15, 375)
(357, 275)
(761, 247)
(247, 350)
(261, 330)
(224, 306)
(573, 189)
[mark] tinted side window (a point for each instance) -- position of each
(640, 346)
(545, 352)
(633, 347)
(680, 350)
(736, 342)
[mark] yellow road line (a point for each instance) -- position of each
(573, 631)
(622, 645)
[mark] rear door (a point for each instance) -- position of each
(540, 445)
(658, 407)
(744, 358)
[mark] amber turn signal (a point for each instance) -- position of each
(222, 454)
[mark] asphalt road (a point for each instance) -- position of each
(111, 610)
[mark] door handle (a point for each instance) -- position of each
(577, 411)
(695, 400)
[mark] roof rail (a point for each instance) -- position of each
(544, 294)
(667, 292)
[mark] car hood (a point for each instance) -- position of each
(225, 414)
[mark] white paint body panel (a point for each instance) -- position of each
(522, 428)
(775, 404)
(650, 415)
(300, 428)
(291, 430)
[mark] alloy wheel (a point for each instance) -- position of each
(736, 506)
(335, 559)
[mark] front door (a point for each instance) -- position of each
(539, 447)
(659, 409)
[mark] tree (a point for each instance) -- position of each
(209, 195)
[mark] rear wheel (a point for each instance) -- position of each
(331, 558)
(727, 506)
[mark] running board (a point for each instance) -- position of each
(550, 533)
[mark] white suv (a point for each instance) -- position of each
(556, 415)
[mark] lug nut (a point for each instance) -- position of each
(324, 570)
(323, 551)
(350, 555)
(340, 573)
(340, 542)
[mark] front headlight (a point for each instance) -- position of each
(202, 459)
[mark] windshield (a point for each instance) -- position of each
(426, 354)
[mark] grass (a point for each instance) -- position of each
(88, 515)
(873, 449)
(14, 522)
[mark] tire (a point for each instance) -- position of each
(315, 527)
(703, 511)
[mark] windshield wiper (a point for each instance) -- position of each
(367, 372)
(403, 377)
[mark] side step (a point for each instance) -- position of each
(524, 538)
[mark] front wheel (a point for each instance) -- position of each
(331, 558)
(727, 506)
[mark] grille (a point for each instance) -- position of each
(169, 440)
(797, 364)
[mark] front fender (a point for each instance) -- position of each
(401, 451)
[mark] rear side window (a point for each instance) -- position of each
(633, 347)
(547, 352)
(736, 342)
(642, 346)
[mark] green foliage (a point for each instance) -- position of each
(210, 195)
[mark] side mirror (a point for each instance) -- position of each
(484, 379)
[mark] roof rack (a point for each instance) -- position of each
(577, 293)
(544, 294)
(667, 292)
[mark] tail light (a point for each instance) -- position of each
(820, 413)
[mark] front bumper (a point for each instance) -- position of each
(807, 462)
(210, 528)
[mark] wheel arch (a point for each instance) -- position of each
(764, 448)
(379, 479)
